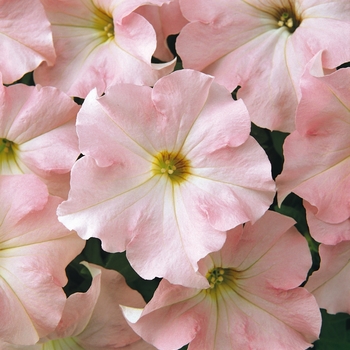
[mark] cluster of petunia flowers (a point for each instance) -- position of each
(161, 164)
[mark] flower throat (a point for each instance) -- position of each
(287, 18)
(175, 166)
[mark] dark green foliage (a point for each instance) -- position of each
(272, 143)
(335, 332)
(27, 79)
(120, 263)
(80, 278)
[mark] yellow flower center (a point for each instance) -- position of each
(8, 161)
(288, 19)
(109, 29)
(103, 22)
(62, 343)
(221, 279)
(5, 146)
(175, 166)
(215, 276)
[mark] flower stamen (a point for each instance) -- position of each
(289, 20)
(5, 145)
(8, 158)
(176, 166)
(109, 29)
(215, 277)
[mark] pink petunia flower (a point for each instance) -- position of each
(166, 20)
(317, 154)
(253, 300)
(25, 38)
(34, 252)
(330, 284)
(37, 134)
(98, 43)
(166, 172)
(94, 320)
(325, 232)
(264, 46)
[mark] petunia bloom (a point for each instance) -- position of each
(166, 172)
(166, 20)
(34, 251)
(100, 42)
(325, 232)
(25, 38)
(94, 320)
(264, 46)
(253, 300)
(330, 284)
(37, 134)
(317, 153)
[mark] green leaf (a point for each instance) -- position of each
(178, 65)
(278, 138)
(335, 332)
(272, 143)
(120, 263)
(27, 79)
(93, 253)
(79, 278)
(293, 206)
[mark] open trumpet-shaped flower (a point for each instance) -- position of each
(264, 46)
(317, 153)
(25, 38)
(253, 300)
(166, 172)
(94, 320)
(37, 134)
(34, 252)
(99, 43)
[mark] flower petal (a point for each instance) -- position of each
(317, 154)
(330, 284)
(26, 38)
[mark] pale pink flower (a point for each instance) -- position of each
(25, 38)
(253, 301)
(98, 43)
(166, 172)
(263, 46)
(166, 20)
(37, 134)
(34, 252)
(330, 284)
(94, 320)
(324, 232)
(317, 154)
